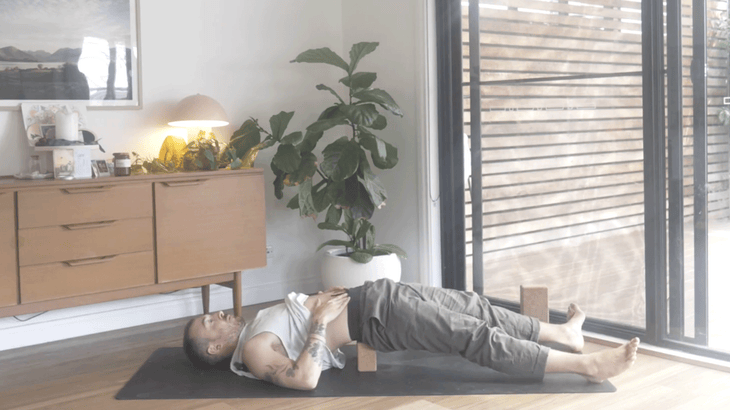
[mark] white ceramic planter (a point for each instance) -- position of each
(342, 271)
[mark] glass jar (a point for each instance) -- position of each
(34, 166)
(122, 164)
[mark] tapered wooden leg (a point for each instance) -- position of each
(205, 292)
(367, 358)
(237, 296)
(534, 302)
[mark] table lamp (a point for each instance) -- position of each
(198, 112)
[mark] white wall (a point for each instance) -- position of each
(401, 61)
(238, 52)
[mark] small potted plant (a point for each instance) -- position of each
(342, 184)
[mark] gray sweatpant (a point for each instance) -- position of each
(398, 316)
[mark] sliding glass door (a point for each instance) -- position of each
(557, 185)
(584, 146)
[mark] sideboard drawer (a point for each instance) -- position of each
(209, 226)
(82, 241)
(8, 260)
(74, 278)
(74, 205)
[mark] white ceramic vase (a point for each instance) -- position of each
(340, 270)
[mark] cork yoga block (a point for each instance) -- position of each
(367, 359)
(534, 302)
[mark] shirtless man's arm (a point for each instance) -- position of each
(266, 359)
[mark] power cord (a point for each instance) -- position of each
(30, 318)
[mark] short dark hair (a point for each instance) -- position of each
(196, 349)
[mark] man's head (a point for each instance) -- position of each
(212, 338)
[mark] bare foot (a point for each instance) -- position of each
(573, 327)
(611, 362)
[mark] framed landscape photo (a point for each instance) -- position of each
(78, 51)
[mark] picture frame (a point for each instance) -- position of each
(88, 55)
(48, 131)
(100, 168)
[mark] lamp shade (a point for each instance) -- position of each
(198, 111)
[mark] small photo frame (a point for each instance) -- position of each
(48, 131)
(100, 168)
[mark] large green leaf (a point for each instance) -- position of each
(359, 81)
(322, 55)
(384, 155)
(358, 51)
(361, 257)
(379, 123)
(325, 124)
(330, 112)
(362, 206)
(336, 192)
(279, 122)
(323, 87)
(310, 141)
(307, 168)
(306, 203)
(372, 184)
(388, 248)
(336, 242)
(340, 159)
(352, 196)
(329, 118)
(279, 181)
(360, 114)
(319, 197)
(287, 158)
(330, 226)
(293, 203)
(293, 139)
(334, 214)
(246, 137)
(379, 97)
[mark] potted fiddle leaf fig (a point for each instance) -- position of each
(342, 183)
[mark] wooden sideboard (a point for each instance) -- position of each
(71, 243)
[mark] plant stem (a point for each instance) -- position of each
(321, 174)
(255, 121)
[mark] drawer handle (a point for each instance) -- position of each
(185, 183)
(89, 225)
(87, 190)
(92, 261)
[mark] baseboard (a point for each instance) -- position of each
(102, 317)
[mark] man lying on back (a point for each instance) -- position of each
(290, 344)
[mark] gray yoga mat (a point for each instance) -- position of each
(167, 374)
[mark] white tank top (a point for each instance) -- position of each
(290, 321)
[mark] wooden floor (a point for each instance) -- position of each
(86, 373)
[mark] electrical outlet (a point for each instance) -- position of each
(269, 251)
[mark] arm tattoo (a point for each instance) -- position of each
(318, 329)
(274, 372)
(290, 371)
(315, 348)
